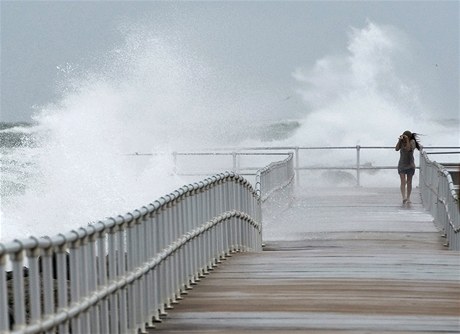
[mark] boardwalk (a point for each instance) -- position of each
(339, 260)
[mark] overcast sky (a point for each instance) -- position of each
(261, 42)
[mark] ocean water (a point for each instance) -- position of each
(76, 162)
(16, 146)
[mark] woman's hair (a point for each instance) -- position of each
(414, 136)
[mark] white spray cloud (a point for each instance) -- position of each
(358, 96)
(149, 96)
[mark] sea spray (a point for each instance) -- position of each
(148, 100)
(358, 96)
(105, 147)
(151, 96)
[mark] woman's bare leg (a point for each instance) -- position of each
(409, 187)
(403, 186)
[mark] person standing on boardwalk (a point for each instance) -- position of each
(406, 145)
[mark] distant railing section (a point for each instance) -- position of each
(304, 159)
(235, 161)
(440, 197)
(121, 274)
(275, 177)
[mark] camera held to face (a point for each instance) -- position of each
(404, 138)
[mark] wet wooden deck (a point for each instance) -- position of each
(339, 260)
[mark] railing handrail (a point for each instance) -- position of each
(442, 169)
(224, 215)
(287, 148)
(271, 150)
(439, 196)
(202, 222)
(72, 236)
(266, 188)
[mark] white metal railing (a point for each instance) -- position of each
(235, 161)
(306, 159)
(439, 196)
(117, 275)
(275, 177)
(121, 274)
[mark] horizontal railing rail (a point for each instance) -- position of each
(275, 177)
(303, 161)
(121, 274)
(439, 196)
(236, 157)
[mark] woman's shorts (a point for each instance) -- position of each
(408, 171)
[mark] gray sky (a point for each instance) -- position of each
(261, 42)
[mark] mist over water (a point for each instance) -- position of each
(151, 95)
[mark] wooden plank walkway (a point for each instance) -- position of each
(339, 260)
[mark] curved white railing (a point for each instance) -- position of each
(440, 198)
(275, 177)
(134, 265)
(121, 274)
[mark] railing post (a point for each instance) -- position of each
(112, 271)
(63, 276)
(83, 265)
(18, 289)
(48, 288)
(297, 173)
(92, 278)
(174, 162)
(75, 274)
(102, 279)
(358, 163)
(34, 283)
(4, 308)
